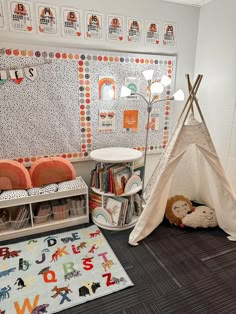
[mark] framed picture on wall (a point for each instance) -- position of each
(47, 19)
(71, 23)
(94, 27)
(134, 30)
(20, 16)
(152, 32)
(2, 16)
(115, 28)
(169, 34)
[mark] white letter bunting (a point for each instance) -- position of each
(3, 77)
(17, 75)
(31, 73)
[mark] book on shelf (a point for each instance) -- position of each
(138, 168)
(138, 204)
(20, 218)
(114, 207)
(42, 212)
(77, 205)
(130, 212)
(117, 207)
(60, 209)
(121, 176)
(4, 219)
(95, 200)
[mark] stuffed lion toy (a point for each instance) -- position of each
(177, 208)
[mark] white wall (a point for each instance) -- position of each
(186, 18)
(216, 60)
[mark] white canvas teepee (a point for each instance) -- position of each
(190, 167)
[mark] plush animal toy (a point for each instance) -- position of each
(201, 217)
(177, 208)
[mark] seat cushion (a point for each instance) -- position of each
(14, 176)
(51, 170)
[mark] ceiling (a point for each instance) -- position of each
(197, 3)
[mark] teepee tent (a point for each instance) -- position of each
(189, 166)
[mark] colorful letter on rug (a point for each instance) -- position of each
(56, 272)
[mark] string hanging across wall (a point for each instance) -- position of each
(73, 105)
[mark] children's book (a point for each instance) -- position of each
(120, 179)
(114, 207)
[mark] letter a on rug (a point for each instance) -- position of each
(56, 272)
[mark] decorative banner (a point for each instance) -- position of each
(2, 25)
(20, 16)
(152, 32)
(31, 73)
(135, 29)
(93, 25)
(133, 84)
(153, 120)
(3, 77)
(106, 120)
(16, 76)
(106, 88)
(47, 19)
(130, 120)
(115, 28)
(169, 36)
(71, 20)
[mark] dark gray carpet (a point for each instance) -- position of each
(174, 271)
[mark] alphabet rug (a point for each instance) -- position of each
(56, 272)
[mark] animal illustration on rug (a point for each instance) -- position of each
(107, 264)
(119, 280)
(32, 241)
(44, 270)
(24, 264)
(4, 293)
(55, 256)
(67, 239)
(20, 283)
(94, 234)
(40, 309)
(86, 289)
(9, 254)
(7, 272)
(72, 274)
(82, 245)
(93, 248)
(58, 291)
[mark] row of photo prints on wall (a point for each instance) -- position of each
(106, 120)
(76, 23)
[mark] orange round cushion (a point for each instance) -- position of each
(51, 170)
(14, 176)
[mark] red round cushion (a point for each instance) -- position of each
(14, 176)
(51, 170)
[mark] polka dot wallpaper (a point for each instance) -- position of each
(57, 113)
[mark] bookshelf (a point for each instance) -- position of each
(115, 183)
(60, 216)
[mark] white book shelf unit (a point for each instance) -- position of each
(55, 220)
(115, 155)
